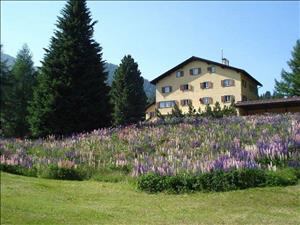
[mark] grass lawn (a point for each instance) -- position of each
(26, 200)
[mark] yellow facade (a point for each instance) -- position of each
(195, 92)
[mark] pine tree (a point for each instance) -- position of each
(18, 94)
(71, 95)
(290, 83)
(127, 93)
(5, 84)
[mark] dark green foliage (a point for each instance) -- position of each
(192, 111)
(61, 173)
(71, 94)
(18, 93)
(176, 112)
(5, 85)
(282, 177)
(290, 81)
(127, 93)
(217, 180)
(217, 111)
(19, 170)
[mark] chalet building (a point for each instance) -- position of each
(200, 82)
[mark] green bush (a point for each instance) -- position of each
(217, 180)
(283, 177)
(19, 170)
(152, 183)
(60, 173)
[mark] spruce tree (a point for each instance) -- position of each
(127, 93)
(71, 95)
(18, 94)
(5, 84)
(290, 83)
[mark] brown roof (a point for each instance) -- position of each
(194, 58)
(280, 101)
(150, 104)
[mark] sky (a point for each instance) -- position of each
(255, 36)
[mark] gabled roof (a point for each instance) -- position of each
(194, 58)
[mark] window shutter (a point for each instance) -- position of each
(201, 100)
(210, 84)
(190, 87)
(157, 105)
(232, 98)
(181, 87)
(170, 88)
(232, 82)
(199, 70)
(223, 98)
(222, 83)
(181, 102)
(210, 100)
(191, 71)
(163, 89)
(202, 85)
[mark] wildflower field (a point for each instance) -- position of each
(185, 145)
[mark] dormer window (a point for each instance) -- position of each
(195, 71)
(179, 74)
(166, 89)
(211, 69)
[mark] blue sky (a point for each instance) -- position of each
(255, 36)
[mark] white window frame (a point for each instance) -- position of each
(226, 83)
(206, 100)
(227, 98)
(166, 104)
(179, 73)
(195, 71)
(166, 89)
(212, 69)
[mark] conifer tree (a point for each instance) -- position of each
(290, 83)
(127, 93)
(71, 94)
(18, 94)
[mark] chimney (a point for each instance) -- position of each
(225, 61)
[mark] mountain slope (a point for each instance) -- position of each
(148, 87)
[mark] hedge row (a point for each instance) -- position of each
(51, 172)
(218, 180)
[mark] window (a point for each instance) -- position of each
(211, 69)
(185, 87)
(195, 71)
(166, 104)
(179, 74)
(206, 100)
(227, 83)
(206, 85)
(227, 98)
(166, 89)
(151, 114)
(185, 102)
(244, 83)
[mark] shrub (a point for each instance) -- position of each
(217, 180)
(19, 170)
(152, 183)
(283, 177)
(61, 173)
